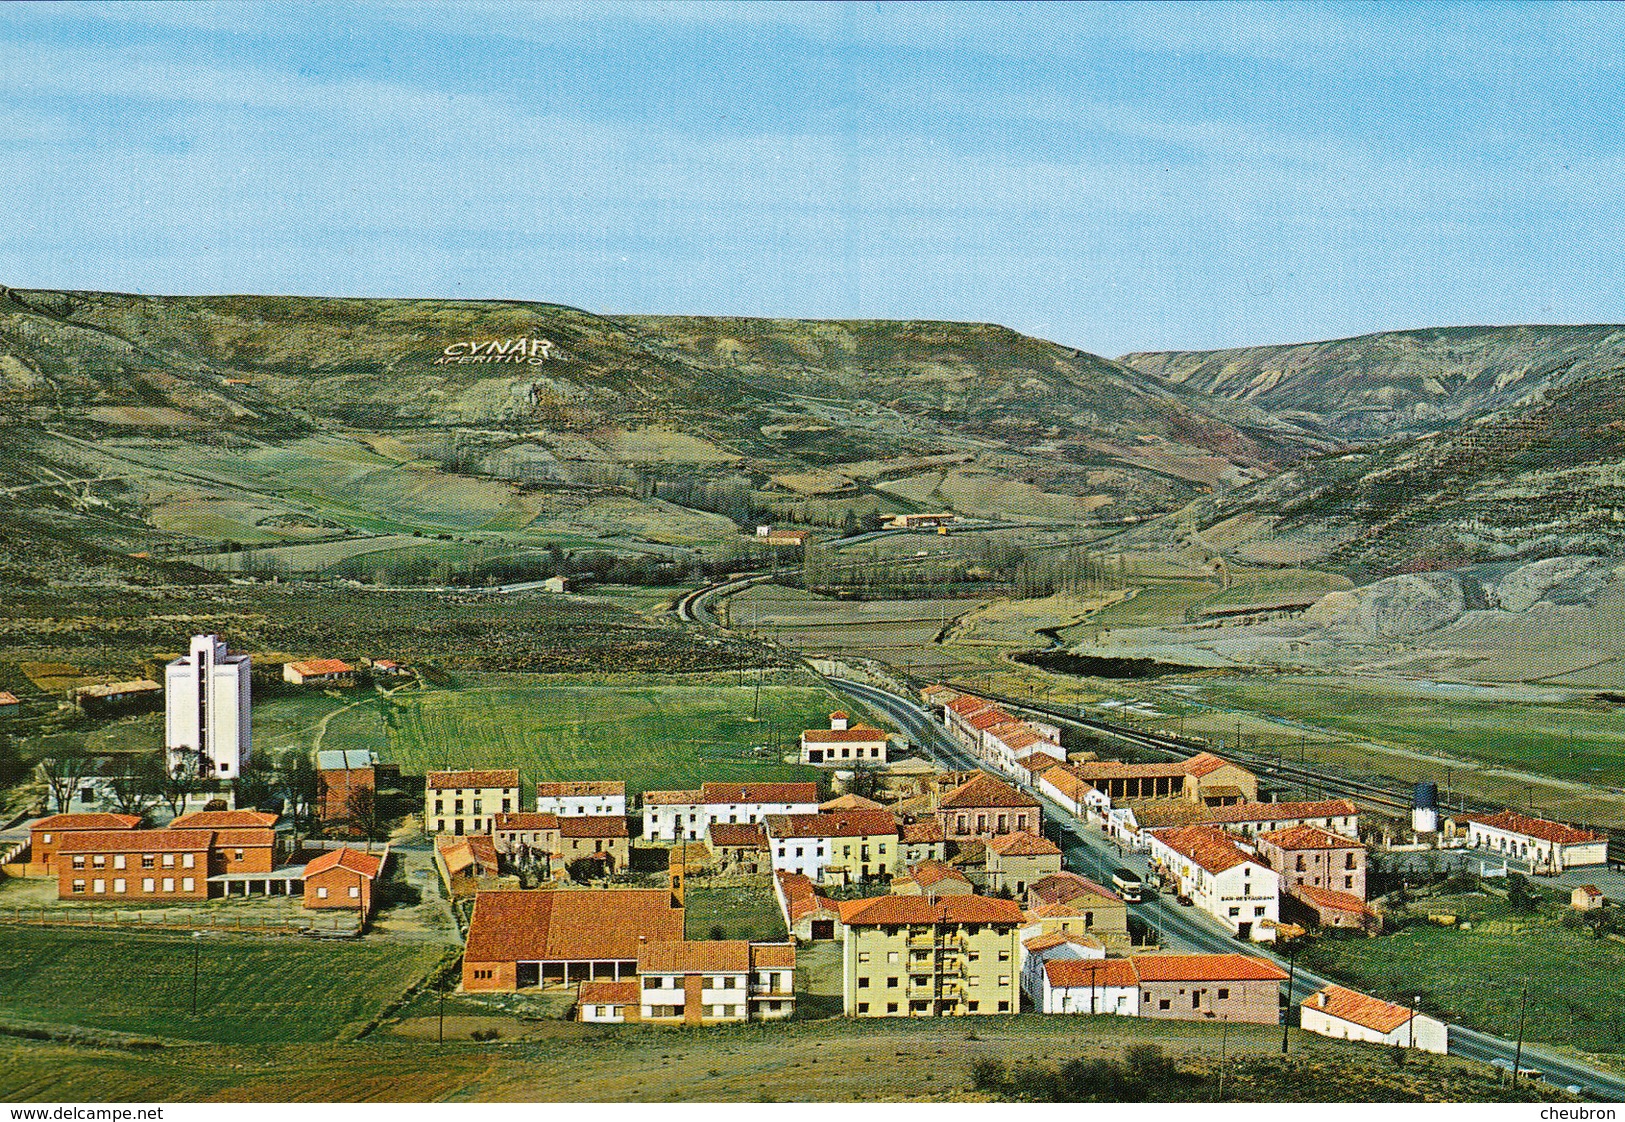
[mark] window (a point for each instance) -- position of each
(187, 884)
(891, 1006)
(118, 884)
(863, 982)
(863, 1007)
(169, 860)
(1234, 912)
(974, 956)
(169, 884)
(45, 839)
(1258, 911)
(1004, 1007)
(79, 886)
(99, 886)
(321, 893)
(891, 957)
(1004, 980)
(355, 892)
(974, 979)
(100, 861)
(863, 956)
(1163, 1004)
(147, 884)
(78, 862)
(891, 983)
(1004, 956)
(1224, 993)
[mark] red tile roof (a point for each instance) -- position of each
(748, 835)
(1308, 837)
(989, 718)
(1321, 898)
(834, 824)
(322, 666)
(1360, 1009)
(923, 833)
(552, 925)
(927, 873)
(1282, 812)
(593, 826)
(223, 820)
(672, 798)
(759, 793)
(877, 910)
(367, 864)
(1023, 844)
(463, 780)
(1512, 822)
(1214, 850)
(802, 895)
(985, 791)
(851, 802)
(579, 788)
(1066, 885)
(858, 734)
(133, 841)
(626, 992)
(1065, 780)
(527, 820)
(1205, 968)
(772, 956)
(966, 704)
(1056, 938)
(1204, 764)
(94, 820)
(1078, 973)
(721, 956)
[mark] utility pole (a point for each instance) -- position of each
(440, 1034)
(1291, 976)
(1416, 999)
(1224, 1049)
(1517, 1052)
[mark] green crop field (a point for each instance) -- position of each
(743, 911)
(655, 736)
(1576, 983)
(1571, 740)
(248, 990)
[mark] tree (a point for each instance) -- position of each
(300, 784)
(582, 869)
(180, 781)
(13, 768)
(62, 774)
(255, 780)
(365, 814)
(138, 786)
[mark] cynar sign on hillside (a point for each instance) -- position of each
(522, 350)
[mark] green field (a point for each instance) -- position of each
(655, 736)
(1160, 603)
(248, 990)
(1576, 982)
(743, 911)
(1577, 740)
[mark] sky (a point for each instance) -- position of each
(1114, 177)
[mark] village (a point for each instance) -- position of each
(995, 873)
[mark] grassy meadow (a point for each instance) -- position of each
(1576, 982)
(248, 990)
(654, 735)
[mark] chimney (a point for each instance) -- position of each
(1320, 999)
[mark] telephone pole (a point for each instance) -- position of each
(1517, 1052)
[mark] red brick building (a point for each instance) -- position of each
(46, 835)
(982, 807)
(343, 878)
(245, 841)
(137, 865)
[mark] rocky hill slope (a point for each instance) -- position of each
(1395, 383)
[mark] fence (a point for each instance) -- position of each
(178, 920)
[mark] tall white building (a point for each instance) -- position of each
(206, 699)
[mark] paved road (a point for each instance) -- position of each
(1090, 853)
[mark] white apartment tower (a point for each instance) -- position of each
(206, 708)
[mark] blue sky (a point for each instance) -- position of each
(1115, 177)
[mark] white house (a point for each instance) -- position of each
(1037, 948)
(206, 709)
(1347, 1015)
(1548, 847)
(844, 744)
(837, 847)
(1081, 798)
(673, 816)
(1082, 985)
(1221, 878)
(587, 798)
(1340, 816)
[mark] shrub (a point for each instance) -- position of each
(987, 1073)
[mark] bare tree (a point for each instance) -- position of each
(366, 815)
(180, 781)
(300, 782)
(138, 786)
(62, 774)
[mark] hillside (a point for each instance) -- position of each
(1395, 383)
(208, 424)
